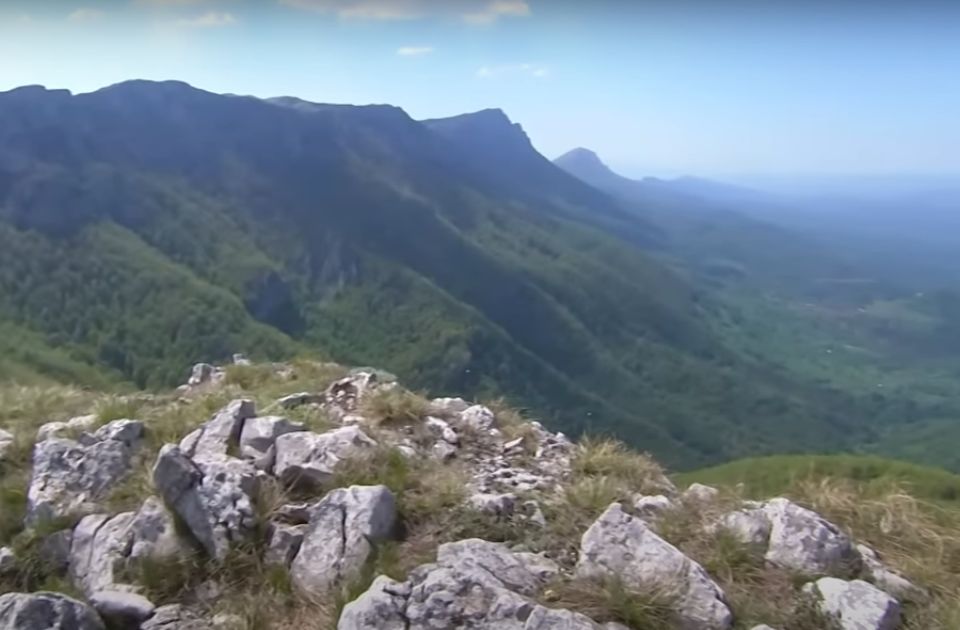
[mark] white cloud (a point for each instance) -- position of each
(414, 51)
(471, 11)
(85, 14)
(535, 70)
(211, 19)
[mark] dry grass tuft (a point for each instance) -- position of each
(394, 406)
(612, 459)
(607, 601)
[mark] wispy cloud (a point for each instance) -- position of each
(414, 51)
(211, 19)
(85, 14)
(493, 11)
(471, 11)
(535, 70)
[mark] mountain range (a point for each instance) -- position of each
(148, 226)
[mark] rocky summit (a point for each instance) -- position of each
(311, 496)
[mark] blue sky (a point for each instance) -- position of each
(661, 87)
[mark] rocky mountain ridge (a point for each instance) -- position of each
(492, 521)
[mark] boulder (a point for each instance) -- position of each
(650, 507)
(8, 561)
(750, 526)
(308, 458)
(66, 429)
(259, 436)
(699, 493)
(154, 533)
(856, 605)
(213, 496)
(888, 580)
(622, 546)
(70, 478)
(478, 418)
(491, 503)
(443, 451)
(442, 429)
(221, 433)
(100, 547)
(204, 373)
(803, 541)
(283, 544)
(345, 395)
(344, 527)
(473, 584)
(46, 611)
(122, 609)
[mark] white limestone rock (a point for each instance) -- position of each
(857, 605)
(622, 546)
(46, 611)
(344, 527)
(803, 541)
(307, 458)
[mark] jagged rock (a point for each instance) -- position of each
(803, 541)
(220, 433)
(310, 458)
(69, 478)
(129, 432)
(344, 527)
(299, 399)
(203, 373)
(227, 621)
(284, 543)
(473, 584)
(650, 507)
(478, 418)
(257, 440)
(345, 394)
(857, 605)
(442, 429)
(498, 504)
(122, 609)
(63, 429)
(448, 407)
(887, 580)
(762, 627)
(699, 493)
(622, 546)
(46, 611)
(240, 359)
(750, 526)
(100, 546)
(443, 451)
(212, 496)
(154, 533)
(8, 561)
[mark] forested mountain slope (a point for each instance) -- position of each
(150, 225)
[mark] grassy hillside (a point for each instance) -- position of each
(874, 476)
